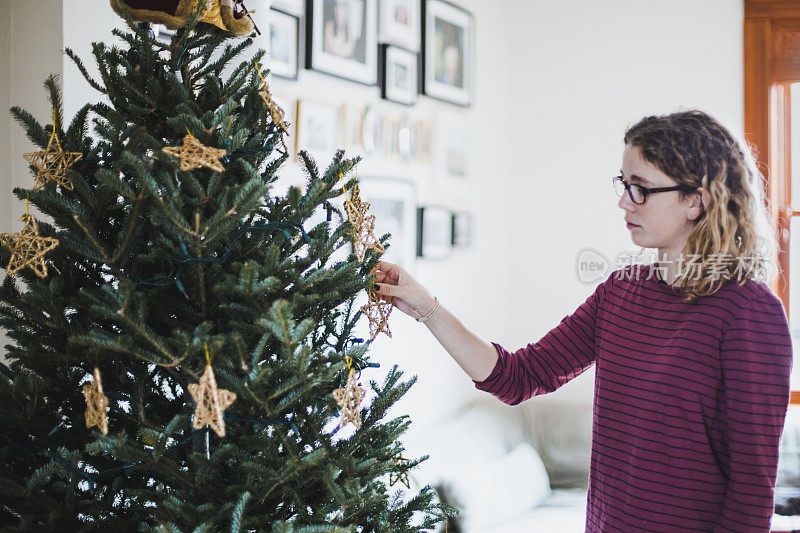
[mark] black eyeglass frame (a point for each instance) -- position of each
(647, 191)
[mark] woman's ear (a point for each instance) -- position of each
(698, 203)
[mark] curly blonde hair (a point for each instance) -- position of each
(694, 149)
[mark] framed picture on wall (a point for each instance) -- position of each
(372, 131)
(398, 75)
(393, 202)
(462, 229)
(434, 227)
(284, 44)
(447, 52)
(342, 39)
(317, 129)
(399, 23)
(352, 127)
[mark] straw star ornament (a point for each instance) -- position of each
(52, 164)
(276, 113)
(402, 475)
(28, 248)
(96, 404)
(194, 154)
(377, 312)
(348, 399)
(211, 402)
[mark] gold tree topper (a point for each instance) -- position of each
(52, 163)
(28, 248)
(194, 154)
(211, 402)
(96, 404)
(348, 399)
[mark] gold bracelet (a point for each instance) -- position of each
(435, 307)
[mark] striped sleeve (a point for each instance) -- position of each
(756, 361)
(561, 355)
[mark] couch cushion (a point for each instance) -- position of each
(495, 491)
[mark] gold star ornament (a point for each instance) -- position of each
(52, 164)
(276, 113)
(194, 154)
(28, 248)
(402, 474)
(96, 404)
(348, 400)
(211, 402)
(377, 312)
(363, 230)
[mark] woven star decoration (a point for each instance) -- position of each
(402, 474)
(356, 210)
(211, 402)
(377, 312)
(366, 239)
(275, 111)
(96, 404)
(28, 248)
(194, 154)
(52, 164)
(348, 399)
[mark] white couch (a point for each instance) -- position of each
(524, 469)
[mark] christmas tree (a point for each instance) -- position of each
(183, 355)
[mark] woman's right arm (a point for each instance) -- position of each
(474, 355)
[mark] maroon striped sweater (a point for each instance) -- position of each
(689, 400)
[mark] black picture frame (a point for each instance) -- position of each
(387, 76)
(321, 43)
(434, 232)
(293, 71)
(454, 83)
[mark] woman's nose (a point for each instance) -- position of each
(625, 202)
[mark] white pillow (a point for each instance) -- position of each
(501, 489)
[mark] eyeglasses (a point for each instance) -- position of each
(638, 194)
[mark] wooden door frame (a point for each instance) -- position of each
(771, 65)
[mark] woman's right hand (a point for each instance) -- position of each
(397, 286)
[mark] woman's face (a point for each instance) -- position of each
(665, 220)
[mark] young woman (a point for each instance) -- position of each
(692, 353)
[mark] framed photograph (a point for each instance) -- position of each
(393, 202)
(447, 52)
(398, 75)
(342, 39)
(372, 131)
(434, 232)
(290, 6)
(406, 139)
(284, 44)
(425, 141)
(391, 134)
(453, 150)
(399, 23)
(317, 130)
(352, 127)
(461, 229)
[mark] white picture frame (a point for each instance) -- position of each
(296, 7)
(342, 39)
(317, 130)
(393, 202)
(399, 23)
